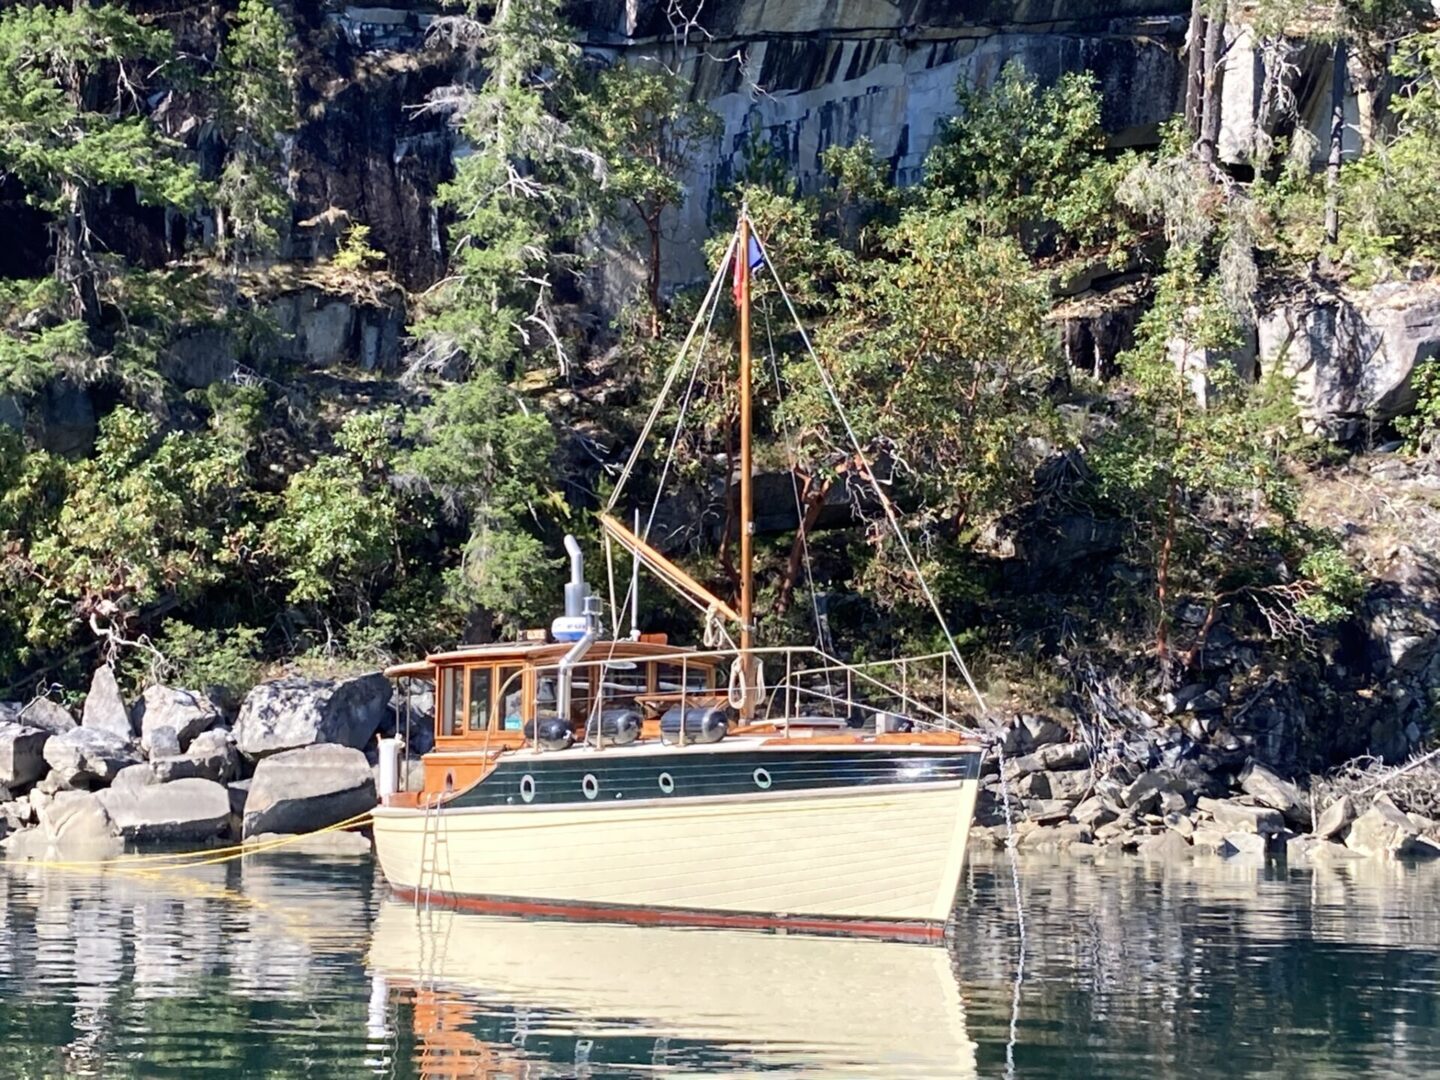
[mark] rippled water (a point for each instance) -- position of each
(288, 966)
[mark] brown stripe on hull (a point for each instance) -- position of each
(897, 930)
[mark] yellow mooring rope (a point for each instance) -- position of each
(184, 860)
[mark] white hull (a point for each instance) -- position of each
(884, 853)
(789, 1003)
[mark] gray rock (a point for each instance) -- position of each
(1247, 843)
(296, 712)
(1335, 818)
(87, 757)
(163, 742)
(105, 709)
(239, 791)
(1351, 355)
(1269, 789)
(1056, 756)
(77, 819)
(1093, 813)
(1144, 791)
(1330, 851)
(134, 776)
(190, 810)
(48, 716)
(1072, 785)
(212, 756)
(22, 755)
(1383, 831)
(1042, 732)
(1167, 845)
(1048, 811)
(1180, 823)
(1058, 838)
(307, 789)
(1212, 841)
(186, 712)
(1180, 700)
(1232, 816)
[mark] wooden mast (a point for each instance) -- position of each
(747, 495)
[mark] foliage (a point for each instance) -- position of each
(1421, 428)
(355, 253)
(1391, 192)
(644, 124)
(224, 660)
(1030, 159)
(72, 85)
(488, 461)
(252, 82)
(520, 197)
(336, 532)
(1197, 461)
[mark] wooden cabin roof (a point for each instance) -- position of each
(535, 652)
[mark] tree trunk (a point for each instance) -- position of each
(813, 500)
(1367, 79)
(74, 267)
(1195, 71)
(1214, 87)
(652, 226)
(1337, 143)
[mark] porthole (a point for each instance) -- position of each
(527, 788)
(762, 779)
(667, 783)
(590, 786)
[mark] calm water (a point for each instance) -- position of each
(289, 967)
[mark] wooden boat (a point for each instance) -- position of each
(631, 778)
(508, 997)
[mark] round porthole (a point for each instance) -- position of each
(527, 788)
(667, 783)
(590, 786)
(762, 779)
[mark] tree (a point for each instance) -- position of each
(1029, 160)
(941, 394)
(647, 128)
(1197, 462)
(252, 82)
(72, 90)
(489, 462)
(521, 195)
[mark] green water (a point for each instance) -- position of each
(290, 967)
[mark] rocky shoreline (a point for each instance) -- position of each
(1063, 795)
(176, 769)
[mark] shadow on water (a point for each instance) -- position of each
(289, 966)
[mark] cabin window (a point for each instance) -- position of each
(623, 681)
(479, 699)
(667, 678)
(509, 684)
(448, 708)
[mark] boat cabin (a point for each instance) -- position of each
(489, 698)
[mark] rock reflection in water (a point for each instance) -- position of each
(293, 966)
(1207, 967)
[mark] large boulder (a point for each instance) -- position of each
(212, 756)
(307, 789)
(105, 709)
(22, 755)
(1384, 831)
(48, 716)
(188, 810)
(1351, 356)
(1235, 817)
(87, 757)
(290, 713)
(186, 712)
(76, 819)
(1268, 788)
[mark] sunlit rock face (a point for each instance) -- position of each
(798, 77)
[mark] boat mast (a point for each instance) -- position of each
(747, 495)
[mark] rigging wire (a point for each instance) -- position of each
(711, 298)
(793, 457)
(864, 461)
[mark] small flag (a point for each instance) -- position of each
(744, 266)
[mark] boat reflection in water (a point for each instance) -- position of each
(495, 996)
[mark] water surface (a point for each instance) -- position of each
(303, 967)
